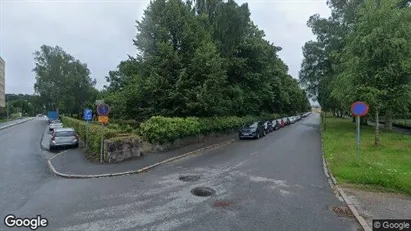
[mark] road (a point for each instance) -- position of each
(275, 183)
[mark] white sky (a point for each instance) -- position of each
(100, 33)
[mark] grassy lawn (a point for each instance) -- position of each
(386, 167)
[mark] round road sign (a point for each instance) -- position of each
(103, 109)
(359, 108)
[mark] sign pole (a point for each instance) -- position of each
(358, 137)
(87, 134)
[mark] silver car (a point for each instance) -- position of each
(64, 137)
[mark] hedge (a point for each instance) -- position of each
(94, 134)
(159, 129)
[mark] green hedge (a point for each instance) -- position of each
(159, 129)
(131, 123)
(94, 134)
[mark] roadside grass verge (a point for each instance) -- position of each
(387, 166)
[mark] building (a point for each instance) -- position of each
(2, 84)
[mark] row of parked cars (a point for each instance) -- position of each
(61, 136)
(259, 129)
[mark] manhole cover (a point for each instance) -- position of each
(222, 203)
(202, 191)
(189, 178)
(342, 211)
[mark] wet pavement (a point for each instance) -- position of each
(275, 183)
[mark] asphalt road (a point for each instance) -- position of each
(22, 165)
(275, 183)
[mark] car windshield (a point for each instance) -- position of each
(65, 133)
(254, 125)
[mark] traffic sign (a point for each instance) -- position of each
(359, 108)
(88, 114)
(103, 119)
(103, 109)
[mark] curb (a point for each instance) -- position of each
(20, 122)
(333, 184)
(53, 169)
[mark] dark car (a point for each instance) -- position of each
(276, 124)
(254, 130)
(268, 127)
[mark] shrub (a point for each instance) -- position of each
(131, 123)
(159, 129)
(94, 132)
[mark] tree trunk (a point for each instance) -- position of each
(353, 119)
(388, 120)
(377, 129)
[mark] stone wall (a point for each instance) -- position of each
(211, 138)
(122, 148)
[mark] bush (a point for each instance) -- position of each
(159, 129)
(94, 132)
(131, 123)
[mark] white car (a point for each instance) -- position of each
(54, 125)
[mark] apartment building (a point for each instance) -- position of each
(2, 84)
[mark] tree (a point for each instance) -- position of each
(62, 81)
(202, 59)
(377, 62)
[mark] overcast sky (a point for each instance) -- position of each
(100, 33)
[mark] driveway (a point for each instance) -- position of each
(275, 183)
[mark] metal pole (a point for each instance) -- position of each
(87, 133)
(8, 106)
(358, 138)
(101, 149)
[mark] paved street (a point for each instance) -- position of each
(23, 168)
(275, 183)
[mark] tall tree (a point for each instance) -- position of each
(62, 81)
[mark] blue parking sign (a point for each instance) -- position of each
(88, 114)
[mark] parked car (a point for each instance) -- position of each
(268, 126)
(281, 122)
(254, 130)
(288, 121)
(64, 137)
(55, 124)
(276, 124)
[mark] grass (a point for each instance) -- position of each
(387, 166)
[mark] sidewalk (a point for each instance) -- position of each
(73, 161)
(394, 128)
(14, 122)
(379, 205)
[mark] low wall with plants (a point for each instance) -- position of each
(163, 130)
(95, 132)
(118, 149)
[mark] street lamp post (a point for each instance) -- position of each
(7, 105)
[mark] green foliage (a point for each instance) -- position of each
(362, 52)
(62, 81)
(204, 59)
(95, 132)
(159, 129)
